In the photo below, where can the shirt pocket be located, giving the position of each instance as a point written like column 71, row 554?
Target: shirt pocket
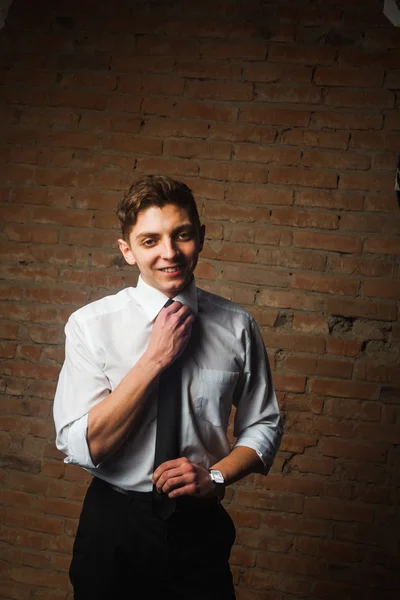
column 214, row 396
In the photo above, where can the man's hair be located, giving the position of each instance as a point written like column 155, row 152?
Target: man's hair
column 154, row 190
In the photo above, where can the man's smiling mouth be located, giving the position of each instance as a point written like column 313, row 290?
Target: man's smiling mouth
column 172, row 269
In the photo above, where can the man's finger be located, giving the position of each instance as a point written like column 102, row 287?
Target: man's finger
column 167, row 465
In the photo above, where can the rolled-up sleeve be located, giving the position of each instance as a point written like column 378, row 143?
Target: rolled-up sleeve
column 81, row 384
column 257, row 424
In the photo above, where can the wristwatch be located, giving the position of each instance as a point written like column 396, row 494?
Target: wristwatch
column 219, row 482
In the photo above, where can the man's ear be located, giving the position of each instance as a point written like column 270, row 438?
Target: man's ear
column 202, row 235
column 126, row 252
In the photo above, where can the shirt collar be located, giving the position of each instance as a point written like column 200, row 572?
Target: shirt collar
column 152, row 300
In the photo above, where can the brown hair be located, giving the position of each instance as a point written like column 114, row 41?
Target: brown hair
column 154, row 190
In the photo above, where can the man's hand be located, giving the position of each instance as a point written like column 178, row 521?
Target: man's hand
column 180, row 477
column 170, row 334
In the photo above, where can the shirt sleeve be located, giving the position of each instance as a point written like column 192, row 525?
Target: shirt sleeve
column 81, row 384
column 257, row 424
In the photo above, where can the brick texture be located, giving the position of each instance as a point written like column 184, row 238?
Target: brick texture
column 283, row 117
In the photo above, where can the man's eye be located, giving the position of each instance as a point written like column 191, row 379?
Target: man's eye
column 148, row 243
column 185, row 235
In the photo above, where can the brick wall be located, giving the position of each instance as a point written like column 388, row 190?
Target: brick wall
column 283, row 118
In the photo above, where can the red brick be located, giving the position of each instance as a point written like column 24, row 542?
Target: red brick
column 206, row 110
column 258, row 194
column 147, row 64
column 262, row 579
column 39, row 577
column 310, row 138
column 41, row 196
column 335, row 160
column 297, row 444
column 225, row 50
column 245, row 518
column 266, row 155
column 237, row 212
column 330, row 285
column 344, row 389
column 371, row 98
column 350, row 449
column 163, row 127
column 197, row 149
column 330, row 550
column 9, row 331
column 291, row 258
column 310, row 324
column 127, row 103
column 275, row 116
column 346, row 120
column 297, row 301
column 236, row 132
column 91, row 278
column 291, row 564
column 29, row 233
column 242, row 557
column 368, row 267
column 303, row 177
column 269, row 501
column 381, row 289
column 164, row 46
column 301, row 218
column 207, row 69
column 172, row 166
column 385, row 311
column 329, row 367
column 377, row 433
column 271, row 73
column 312, row 464
column 89, row 100
column 258, row 235
column 300, row 364
column 205, row 189
column 263, row 540
column 337, row 511
column 289, row 383
column 300, row 343
column 219, row 90
column 155, row 84
column 383, row 203
column 349, row 77
column 56, row 296
column 303, row 55
column 233, row 172
column 327, row 241
column 279, row 93
column 205, row 271
column 29, row 272
column 373, row 140
column 382, row 245
column 370, row 371
column 255, row 275
column 338, row 200
column 376, row 181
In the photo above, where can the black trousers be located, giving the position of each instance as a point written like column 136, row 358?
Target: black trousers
column 122, row 551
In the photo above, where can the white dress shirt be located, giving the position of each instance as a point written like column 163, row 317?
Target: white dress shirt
column 225, row 364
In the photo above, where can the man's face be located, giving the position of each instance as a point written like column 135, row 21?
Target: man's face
column 165, row 245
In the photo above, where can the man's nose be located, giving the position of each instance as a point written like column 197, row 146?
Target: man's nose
column 169, row 249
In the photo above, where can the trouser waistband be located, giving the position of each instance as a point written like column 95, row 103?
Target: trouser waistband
column 184, row 503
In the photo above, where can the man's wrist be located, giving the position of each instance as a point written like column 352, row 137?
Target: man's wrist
column 218, row 482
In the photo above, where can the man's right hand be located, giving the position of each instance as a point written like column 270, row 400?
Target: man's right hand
column 170, row 335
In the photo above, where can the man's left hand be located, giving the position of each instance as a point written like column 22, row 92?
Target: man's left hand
column 180, row 477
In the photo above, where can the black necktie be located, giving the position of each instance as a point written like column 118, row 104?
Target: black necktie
column 168, row 429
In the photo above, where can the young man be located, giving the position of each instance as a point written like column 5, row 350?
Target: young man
column 127, row 357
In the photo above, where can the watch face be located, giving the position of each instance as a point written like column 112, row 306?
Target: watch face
column 217, row 476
